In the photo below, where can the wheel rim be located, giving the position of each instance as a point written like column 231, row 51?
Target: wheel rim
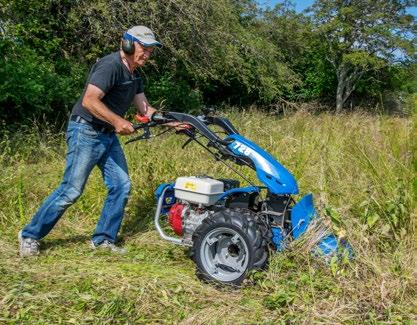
column 224, row 254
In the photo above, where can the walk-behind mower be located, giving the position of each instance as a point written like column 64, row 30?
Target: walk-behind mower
column 231, row 229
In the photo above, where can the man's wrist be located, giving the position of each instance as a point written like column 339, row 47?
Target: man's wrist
column 153, row 114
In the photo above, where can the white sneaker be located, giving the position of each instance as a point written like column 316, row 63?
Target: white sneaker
column 28, row 246
column 109, row 246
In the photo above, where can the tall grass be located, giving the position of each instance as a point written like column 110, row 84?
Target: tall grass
column 358, row 166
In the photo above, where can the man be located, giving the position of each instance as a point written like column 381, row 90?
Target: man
column 112, row 85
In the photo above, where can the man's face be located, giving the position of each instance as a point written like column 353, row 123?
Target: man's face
column 142, row 54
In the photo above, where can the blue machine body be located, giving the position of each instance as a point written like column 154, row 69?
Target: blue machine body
column 327, row 246
column 169, row 197
column 301, row 215
column 246, row 189
column 278, row 238
column 279, row 181
column 270, row 172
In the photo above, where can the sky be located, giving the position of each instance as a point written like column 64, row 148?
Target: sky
column 300, row 5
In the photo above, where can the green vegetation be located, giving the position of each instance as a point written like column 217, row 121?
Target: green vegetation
column 361, row 36
column 343, row 54
column 359, row 167
column 356, row 56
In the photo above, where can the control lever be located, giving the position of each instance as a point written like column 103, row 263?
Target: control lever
column 186, row 143
column 146, row 132
column 191, row 137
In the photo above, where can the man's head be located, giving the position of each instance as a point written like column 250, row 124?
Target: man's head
column 138, row 42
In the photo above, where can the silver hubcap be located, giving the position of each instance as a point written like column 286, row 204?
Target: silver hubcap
column 224, row 254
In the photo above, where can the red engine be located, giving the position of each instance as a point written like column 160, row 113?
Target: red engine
column 175, row 218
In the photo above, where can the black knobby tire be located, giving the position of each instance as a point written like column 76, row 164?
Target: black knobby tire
column 238, row 229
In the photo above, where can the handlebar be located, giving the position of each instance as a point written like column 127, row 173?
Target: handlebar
column 199, row 123
column 142, row 126
column 154, row 120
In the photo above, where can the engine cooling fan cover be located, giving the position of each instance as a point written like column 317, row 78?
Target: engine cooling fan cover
column 175, row 218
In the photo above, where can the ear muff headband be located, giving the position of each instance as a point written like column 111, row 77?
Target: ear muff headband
column 128, row 43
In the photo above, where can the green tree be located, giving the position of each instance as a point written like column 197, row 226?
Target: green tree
column 211, row 49
column 361, row 36
column 211, row 45
column 301, row 49
column 37, row 76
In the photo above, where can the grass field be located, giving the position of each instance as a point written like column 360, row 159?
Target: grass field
column 359, row 167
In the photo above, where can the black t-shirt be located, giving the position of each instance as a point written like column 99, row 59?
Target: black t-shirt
column 114, row 79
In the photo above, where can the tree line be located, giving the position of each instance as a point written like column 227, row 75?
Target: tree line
column 339, row 53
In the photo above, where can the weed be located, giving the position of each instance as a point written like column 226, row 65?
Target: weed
column 358, row 166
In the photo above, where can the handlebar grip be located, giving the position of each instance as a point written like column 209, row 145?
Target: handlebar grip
column 158, row 118
column 143, row 125
column 138, row 126
column 142, row 118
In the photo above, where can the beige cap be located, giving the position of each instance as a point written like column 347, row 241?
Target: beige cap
column 143, row 35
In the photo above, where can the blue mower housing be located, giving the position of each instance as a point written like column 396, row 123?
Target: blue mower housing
column 286, row 219
column 270, row 172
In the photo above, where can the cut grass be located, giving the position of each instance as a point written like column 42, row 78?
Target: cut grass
column 358, row 165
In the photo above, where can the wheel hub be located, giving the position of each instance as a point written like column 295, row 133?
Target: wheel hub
column 224, row 254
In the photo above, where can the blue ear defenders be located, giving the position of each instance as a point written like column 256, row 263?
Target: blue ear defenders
column 128, row 45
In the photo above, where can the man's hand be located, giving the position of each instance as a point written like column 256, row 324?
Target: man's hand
column 123, row 127
column 179, row 126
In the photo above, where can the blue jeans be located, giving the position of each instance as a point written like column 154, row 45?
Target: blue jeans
column 86, row 149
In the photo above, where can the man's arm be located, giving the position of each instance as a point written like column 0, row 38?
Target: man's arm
column 144, row 108
column 142, row 105
column 92, row 102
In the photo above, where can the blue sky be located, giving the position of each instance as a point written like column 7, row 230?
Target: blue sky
column 300, row 5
